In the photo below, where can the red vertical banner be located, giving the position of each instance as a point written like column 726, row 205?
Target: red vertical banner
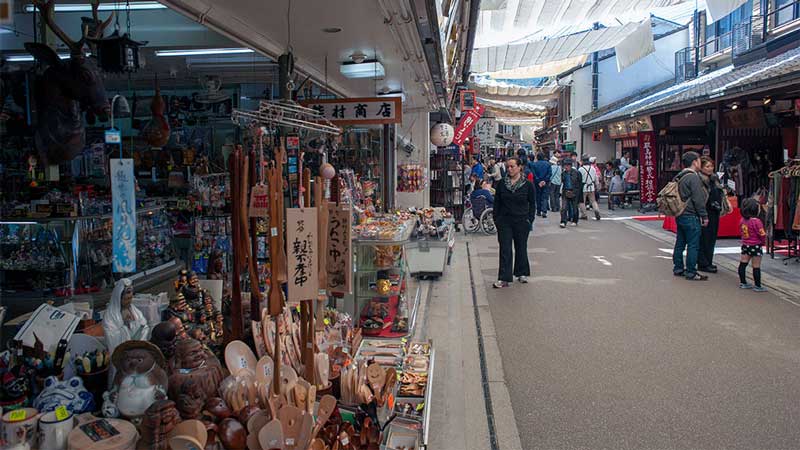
column 648, row 175
column 467, row 123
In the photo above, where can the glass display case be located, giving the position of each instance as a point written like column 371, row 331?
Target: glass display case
column 361, row 150
column 385, row 297
column 57, row 254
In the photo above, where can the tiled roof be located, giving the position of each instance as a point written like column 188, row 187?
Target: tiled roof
column 705, row 88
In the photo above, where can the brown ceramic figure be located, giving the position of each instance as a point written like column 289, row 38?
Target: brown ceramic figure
column 139, row 382
column 178, row 308
column 164, row 336
column 158, row 421
column 193, row 363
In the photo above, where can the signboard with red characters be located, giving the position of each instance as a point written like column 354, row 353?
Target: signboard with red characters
column 467, row 123
column 648, row 175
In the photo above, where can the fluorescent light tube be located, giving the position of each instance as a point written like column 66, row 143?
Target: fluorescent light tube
column 140, row 6
column 202, row 51
column 29, row 58
column 366, row 69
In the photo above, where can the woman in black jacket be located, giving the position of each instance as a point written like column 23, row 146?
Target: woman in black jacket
column 708, row 234
column 514, row 213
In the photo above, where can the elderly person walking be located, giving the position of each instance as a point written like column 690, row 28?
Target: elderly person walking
column 514, row 212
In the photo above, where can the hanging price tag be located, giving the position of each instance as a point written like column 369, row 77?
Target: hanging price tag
column 61, row 413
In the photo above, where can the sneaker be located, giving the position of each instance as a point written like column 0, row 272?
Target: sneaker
column 745, row 286
column 574, row 224
column 522, row 279
column 563, row 224
column 500, row 284
column 584, row 218
column 759, row 289
column 697, row 277
column 597, row 215
column 708, row 269
column 544, row 215
column 678, row 274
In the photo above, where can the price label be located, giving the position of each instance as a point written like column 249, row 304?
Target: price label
column 289, row 442
column 61, row 413
column 274, row 231
column 420, row 406
column 18, row 415
column 113, row 136
column 327, row 321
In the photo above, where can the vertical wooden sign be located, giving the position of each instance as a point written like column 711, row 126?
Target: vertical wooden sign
column 339, row 251
column 301, row 249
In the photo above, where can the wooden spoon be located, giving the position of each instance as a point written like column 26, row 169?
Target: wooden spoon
column 377, row 377
column 291, row 420
column 327, row 404
column 271, row 436
column 306, row 428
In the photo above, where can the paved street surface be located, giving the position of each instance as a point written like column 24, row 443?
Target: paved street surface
column 606, row 349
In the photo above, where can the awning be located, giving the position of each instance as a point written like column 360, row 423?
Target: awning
column 536, row 53
column 720, row 84
column 494, row 87
column 513, row 109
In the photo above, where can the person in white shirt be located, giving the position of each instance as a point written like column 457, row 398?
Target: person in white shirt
column 590, row 183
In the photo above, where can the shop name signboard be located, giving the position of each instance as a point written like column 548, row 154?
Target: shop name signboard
column 647, row 172
column 301, row 249
column 123, row 202
column 339, row 262
column 467, row 123
column 630, row 127
column 359, row 111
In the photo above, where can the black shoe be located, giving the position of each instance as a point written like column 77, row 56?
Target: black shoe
column 544, row 215
column 709, row 269
column 678, row 274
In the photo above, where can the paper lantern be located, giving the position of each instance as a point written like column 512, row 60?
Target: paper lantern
column 327, row 171
column 442, row 134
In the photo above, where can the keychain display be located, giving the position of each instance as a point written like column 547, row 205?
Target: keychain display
column 411, row 177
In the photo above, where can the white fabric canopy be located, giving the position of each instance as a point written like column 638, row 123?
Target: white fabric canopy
column 636, row 46
column 503, row 16
column 540, row 70
column 717, row 9
column 527, row 54
column 494, row 87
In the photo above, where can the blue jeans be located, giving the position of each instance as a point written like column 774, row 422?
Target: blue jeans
column 689, row 238
column 542, row 198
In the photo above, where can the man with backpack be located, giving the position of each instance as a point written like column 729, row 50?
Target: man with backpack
column 685, row 198
column 590, row 182
column 571, row 191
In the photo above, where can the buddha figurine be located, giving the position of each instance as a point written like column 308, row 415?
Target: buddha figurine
column 196, row 364
column 193, row 293
column 178, row 308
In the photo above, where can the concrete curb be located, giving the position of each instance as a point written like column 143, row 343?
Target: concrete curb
column 784, row 290
column 506, row 430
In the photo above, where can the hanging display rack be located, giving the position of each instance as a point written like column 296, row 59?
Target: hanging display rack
column 286, row 113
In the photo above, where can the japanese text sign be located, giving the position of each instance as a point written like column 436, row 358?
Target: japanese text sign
column 123, row 202
column 486, row 129
column 648, row 176
column 339, row 263
column 467, row 123
column 301, row 249
column 359, row 111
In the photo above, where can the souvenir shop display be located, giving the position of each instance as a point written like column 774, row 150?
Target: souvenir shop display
column 383, row 302
column 783, row 214
column 432, row 242
column 447, row 180
column 411, row 177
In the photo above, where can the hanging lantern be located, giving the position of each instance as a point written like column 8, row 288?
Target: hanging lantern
column 117, row 53
column 442, row 134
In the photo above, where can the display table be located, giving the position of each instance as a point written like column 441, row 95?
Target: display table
column 728, row 224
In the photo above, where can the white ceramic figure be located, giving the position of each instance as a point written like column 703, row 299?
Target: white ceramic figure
column 123, row 321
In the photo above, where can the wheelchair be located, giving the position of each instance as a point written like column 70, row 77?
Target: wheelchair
column 478, row 217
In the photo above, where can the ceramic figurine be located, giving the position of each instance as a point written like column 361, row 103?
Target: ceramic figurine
column 183, row 280
column 158, row 421
column 195, row 365
column 123, row 321
column 70, row 394
column 140, row 380
column 164, row 336
column 180, row 329
column 178, row 308
column 193, row 293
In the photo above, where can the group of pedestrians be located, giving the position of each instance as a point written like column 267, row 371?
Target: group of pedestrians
column 705, row 202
